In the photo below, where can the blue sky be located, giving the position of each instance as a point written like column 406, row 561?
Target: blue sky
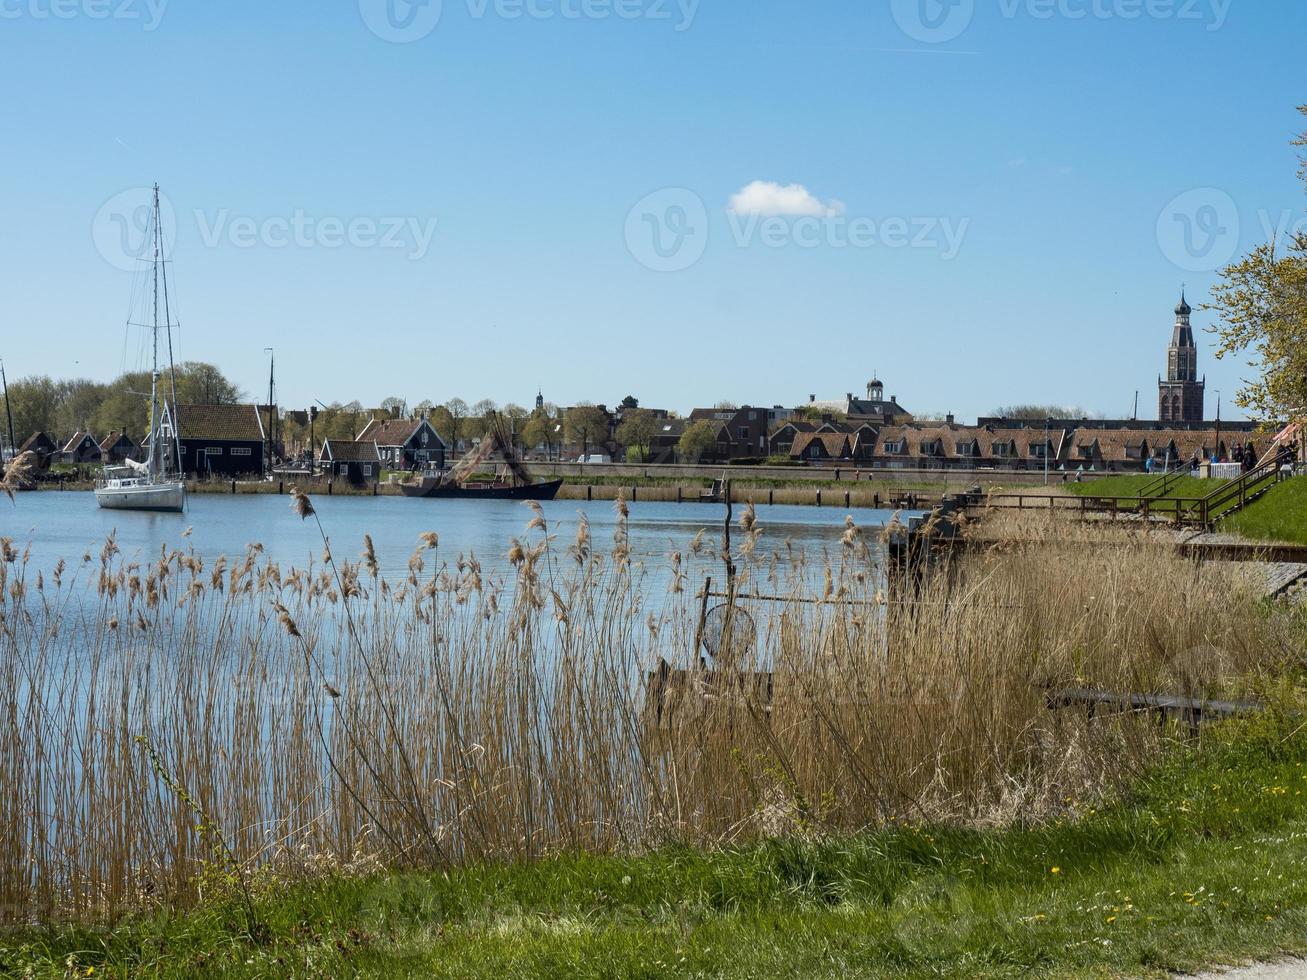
column 983, row 202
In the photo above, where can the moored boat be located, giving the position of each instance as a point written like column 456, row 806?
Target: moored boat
column 155, row 485
column 514, row 483
column 434, row 486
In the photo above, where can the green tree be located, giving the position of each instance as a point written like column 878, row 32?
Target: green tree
column 541, row 430
column 454, row 419
column 637, row 432
column 394, row 405
column 35, row 404
column 480, row 416
column 200, row 383
column 1039, row 413
column 813, row 413
column 586, row 424
column 517, row 417
column 79, row 402
column 697, row 440
column 1262, row 304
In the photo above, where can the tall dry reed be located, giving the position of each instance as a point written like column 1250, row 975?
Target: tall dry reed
column 326, row 718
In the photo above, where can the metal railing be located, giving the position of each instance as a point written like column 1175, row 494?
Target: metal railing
column 1206, row 511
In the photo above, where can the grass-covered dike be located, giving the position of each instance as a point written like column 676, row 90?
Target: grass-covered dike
column 1200, row 861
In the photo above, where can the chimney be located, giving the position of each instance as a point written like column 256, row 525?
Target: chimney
column 949, row 418
column 848, row 396
column 812, row 399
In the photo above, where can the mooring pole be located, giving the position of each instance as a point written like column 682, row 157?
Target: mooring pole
column 703, row 619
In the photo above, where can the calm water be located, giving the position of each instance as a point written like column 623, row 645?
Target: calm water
column 68, row 525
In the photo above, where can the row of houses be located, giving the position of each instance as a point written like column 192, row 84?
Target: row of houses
column 81, row 449
column 1097, row 446
column 232, row 440
column 213, row 440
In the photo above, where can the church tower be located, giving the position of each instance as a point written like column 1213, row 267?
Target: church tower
column 1180, row 395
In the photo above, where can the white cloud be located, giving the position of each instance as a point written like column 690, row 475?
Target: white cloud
column 768, row 198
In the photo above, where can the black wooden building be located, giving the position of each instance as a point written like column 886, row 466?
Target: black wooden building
column 354, row 462
column 220, row 440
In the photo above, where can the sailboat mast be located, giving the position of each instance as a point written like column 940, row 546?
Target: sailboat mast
column 9, row 414
column 154, row 368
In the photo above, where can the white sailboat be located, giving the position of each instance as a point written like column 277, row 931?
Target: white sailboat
column 156, row 484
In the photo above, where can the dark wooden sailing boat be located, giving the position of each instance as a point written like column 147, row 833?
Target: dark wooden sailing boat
column 514, row 484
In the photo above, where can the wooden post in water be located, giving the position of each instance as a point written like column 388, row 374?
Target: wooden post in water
column 726, row 547
column 703, row 618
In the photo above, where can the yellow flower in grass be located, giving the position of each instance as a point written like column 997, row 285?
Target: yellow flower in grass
column 1055, row 870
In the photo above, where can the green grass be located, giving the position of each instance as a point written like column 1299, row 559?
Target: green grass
column 1202, row 861
column 1185, row 487
column 1281, row 515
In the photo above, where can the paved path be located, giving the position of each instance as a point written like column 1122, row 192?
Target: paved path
column 1290, row 970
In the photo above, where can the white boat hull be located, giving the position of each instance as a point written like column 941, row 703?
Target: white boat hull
column 162, row 497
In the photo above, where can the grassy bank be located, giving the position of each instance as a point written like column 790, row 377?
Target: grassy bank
column 1281, row 515
column 1198, row 861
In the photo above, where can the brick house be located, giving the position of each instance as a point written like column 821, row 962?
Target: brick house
column 742, row 433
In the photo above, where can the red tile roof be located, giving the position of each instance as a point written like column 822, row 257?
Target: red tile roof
column 388, row 432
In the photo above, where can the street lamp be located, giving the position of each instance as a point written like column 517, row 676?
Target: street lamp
column 1047, row 423
column 1216, row 449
